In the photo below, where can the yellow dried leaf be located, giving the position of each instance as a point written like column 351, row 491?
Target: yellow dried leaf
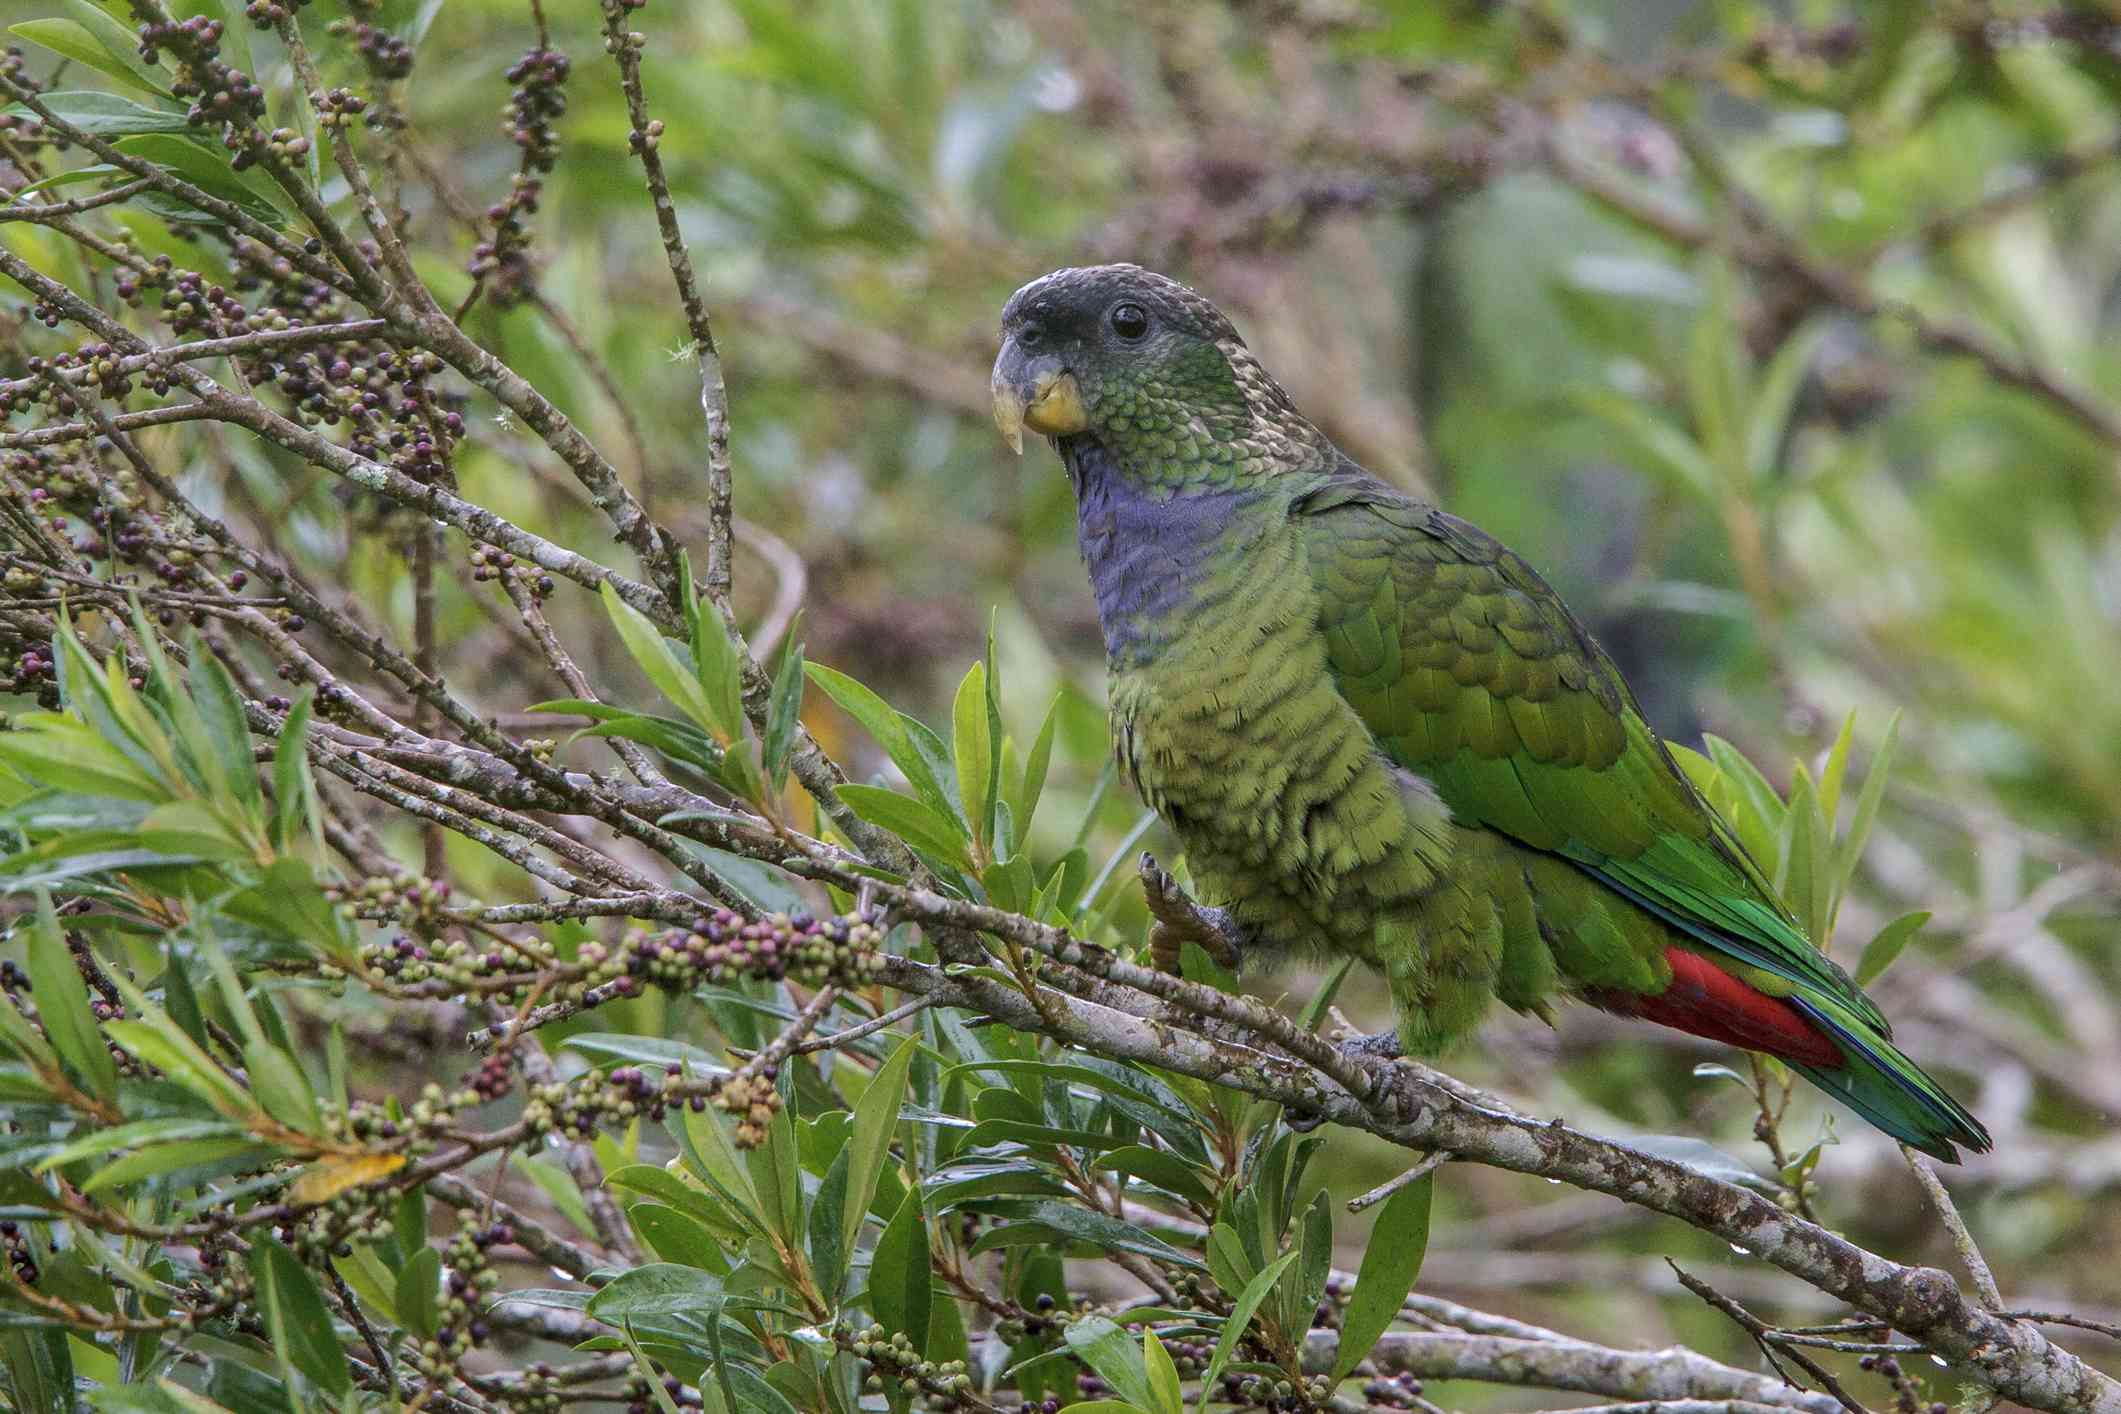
column 326, row 1179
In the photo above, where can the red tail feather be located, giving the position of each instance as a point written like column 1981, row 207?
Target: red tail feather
column 1704, row 1000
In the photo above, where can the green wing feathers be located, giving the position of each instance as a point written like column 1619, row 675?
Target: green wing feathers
column 1470, row 672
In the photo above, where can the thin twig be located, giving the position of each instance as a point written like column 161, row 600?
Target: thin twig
column 1390, row 1186
column 1762, row 1334
column 1962, row 1241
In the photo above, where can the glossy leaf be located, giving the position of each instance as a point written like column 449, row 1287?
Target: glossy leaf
column 1391, row 1263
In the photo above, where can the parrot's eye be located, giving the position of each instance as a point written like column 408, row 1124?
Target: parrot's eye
column 1030, row 337
column 1130, row 320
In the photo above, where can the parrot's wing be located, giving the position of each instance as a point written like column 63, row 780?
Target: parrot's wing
column 1471, row 671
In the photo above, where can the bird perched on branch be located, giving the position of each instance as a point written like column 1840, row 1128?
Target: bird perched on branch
column 1378, row 732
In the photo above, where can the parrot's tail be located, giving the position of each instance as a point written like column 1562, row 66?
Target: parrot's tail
column 1817, row 1037
column 1876, row 1081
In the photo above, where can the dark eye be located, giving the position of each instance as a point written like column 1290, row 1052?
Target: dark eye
column 1129, row 321
column 1030, row 337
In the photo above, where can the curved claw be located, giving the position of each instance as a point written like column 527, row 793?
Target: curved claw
column 1179, row 920
column 1384, row 1046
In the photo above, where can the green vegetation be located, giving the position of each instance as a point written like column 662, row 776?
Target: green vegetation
column 558, row 836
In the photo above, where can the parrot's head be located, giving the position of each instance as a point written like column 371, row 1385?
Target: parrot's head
column 1139, row 364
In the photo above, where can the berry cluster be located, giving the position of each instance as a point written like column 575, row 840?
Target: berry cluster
column 1278, row 1396
column 718, row 949
column 21, row 1257
column 1014, row 1330
column 264, row 14
column 536, row 1392
column 416, row 902
column 14, row 68
column 495, row 1075
column 1907, row 1394
column 223, row 1283
column 220, row 93
column 465, row 1291
column 640, row 1399
column 576, row 1109
column 330, row 1229
column 339, row 107
column 615, row 13
column 33, row 670
column 844, row 949
column 1393, row 1392
column 754, row 1100
column 893, row 1360
column 536, row 104
column 488, row 563
column 388, row 57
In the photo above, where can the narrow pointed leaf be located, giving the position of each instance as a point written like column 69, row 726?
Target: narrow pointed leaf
column 1390, row 1265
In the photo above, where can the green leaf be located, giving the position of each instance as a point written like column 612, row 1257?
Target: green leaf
column 869, row 1137
column 928, row 830
column 58, row 752
column 281, row 1087
column 1162, row 1168
column 888, row 727
column 104, row 47
column 1835, row 770
column 295, row 1314
column 1390, row 1265
column 1867, row 802
column 106, row 114
column 138, row 1134
column 1023, row 801
column 162, row 1044
column 1228, row 1261
column 220, row 708
column 784, row 711
column 714, row 1160
column 645, row 645
column 1657, row 444
column 1779, row 385
column 294, row 790
column 1241, row 1312
column 973, row 749
column 560, row 1189
column 1302, row 1298
column 658, row 1289
column 900, row 1274
column 1879, row 952
column 62, row 1004
column 676, row 1237
column 418, row 1297
column 1115, row 1359
column 719, row 667
column 647, row 1373
column 208, row 170
column 828, row 1225
column 734, row 1221
column 187, row 1155
column 606, row 1048
column 1046, row 1222
column 40, row 1371
column 1163, row 1376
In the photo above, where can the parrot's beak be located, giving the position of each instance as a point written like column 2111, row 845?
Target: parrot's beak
column 1036, row 393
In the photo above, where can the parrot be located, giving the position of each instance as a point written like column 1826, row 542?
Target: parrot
column 1375, row 731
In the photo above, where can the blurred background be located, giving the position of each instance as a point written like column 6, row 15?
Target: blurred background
column 1779, row 337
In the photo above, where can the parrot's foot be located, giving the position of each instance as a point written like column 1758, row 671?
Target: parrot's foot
column 1179, row 920
column 1383, row 1046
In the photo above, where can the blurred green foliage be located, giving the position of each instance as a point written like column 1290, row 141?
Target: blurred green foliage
column 1781, row 338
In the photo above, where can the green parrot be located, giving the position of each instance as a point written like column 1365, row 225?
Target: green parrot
column 1376, row 731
